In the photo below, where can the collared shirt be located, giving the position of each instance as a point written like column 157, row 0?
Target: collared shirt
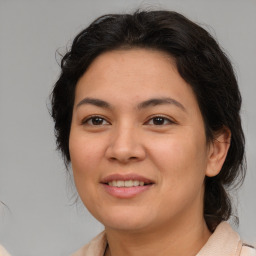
column 223, row 242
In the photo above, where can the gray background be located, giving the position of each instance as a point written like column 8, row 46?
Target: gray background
column 41, row 218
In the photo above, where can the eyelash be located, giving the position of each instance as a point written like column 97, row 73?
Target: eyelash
column 161, row 117
column 90, row 119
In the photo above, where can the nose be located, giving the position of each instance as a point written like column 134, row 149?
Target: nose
column 125, row 146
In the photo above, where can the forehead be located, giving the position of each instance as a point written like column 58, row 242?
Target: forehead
column 133, row 59
column 133, row 74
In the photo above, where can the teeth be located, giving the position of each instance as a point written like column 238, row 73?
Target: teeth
column 136, row 183
column 119, row 183
column 127, row 183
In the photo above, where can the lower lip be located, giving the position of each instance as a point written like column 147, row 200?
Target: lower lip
column 125, row 192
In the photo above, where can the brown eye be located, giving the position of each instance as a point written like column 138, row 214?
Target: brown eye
column 159, row 120
column 95, row 121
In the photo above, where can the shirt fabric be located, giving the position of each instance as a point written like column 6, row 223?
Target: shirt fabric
column 223, row 242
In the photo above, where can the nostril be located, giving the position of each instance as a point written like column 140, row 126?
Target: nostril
column 123, row 158
column 125, row 153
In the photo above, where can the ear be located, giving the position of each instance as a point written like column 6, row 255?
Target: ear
column 218, row 151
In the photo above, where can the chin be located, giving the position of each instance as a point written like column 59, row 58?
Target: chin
column 126, row 219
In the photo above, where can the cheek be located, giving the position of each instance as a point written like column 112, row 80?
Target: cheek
column 182, row 173
column 86, row 154
column 181, row 159
column 180, row 150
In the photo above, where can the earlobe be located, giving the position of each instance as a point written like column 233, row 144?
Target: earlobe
column 217, row 152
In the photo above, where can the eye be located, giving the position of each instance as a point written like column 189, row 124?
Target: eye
column 95, row 121
column 159, row 120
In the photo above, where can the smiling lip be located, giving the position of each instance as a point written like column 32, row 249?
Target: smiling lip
column 125, row 177
column 126, row 192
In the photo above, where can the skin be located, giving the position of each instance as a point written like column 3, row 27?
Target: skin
column 174, row 154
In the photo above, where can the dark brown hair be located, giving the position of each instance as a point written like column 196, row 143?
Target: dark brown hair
column 200, row 62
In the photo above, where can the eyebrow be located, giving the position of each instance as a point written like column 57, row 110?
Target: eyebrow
column 161, row 101
column 95, row 102
column 144, row 104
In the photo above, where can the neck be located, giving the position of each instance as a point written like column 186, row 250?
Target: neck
column 180, row 238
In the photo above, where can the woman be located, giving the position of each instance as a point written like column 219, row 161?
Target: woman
column 146, row 110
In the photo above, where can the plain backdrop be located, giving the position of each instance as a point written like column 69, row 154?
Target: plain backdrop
column 40, row 217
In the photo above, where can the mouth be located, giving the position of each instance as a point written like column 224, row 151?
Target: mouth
column 126, row 186
column 127, row 183
column 126, row 180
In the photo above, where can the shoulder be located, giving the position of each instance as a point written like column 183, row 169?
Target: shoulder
column 95, row 247
column 248, row 250
column 225, row 241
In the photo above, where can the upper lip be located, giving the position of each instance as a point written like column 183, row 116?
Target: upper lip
column 126, row 177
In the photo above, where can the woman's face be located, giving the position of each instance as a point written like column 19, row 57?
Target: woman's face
column 135, row 121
